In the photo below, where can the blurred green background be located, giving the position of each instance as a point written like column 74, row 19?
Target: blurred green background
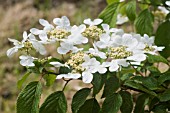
column 17, row 16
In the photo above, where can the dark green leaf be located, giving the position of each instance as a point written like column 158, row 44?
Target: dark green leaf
column 90, row 106
column 112, row 103
column 131, row 10
column 153, row 69
column 98, row 81
column 156, row 58
column 160, row 108
column 79, row 98
column 49, row 78
column 29, row 98
column 64, row 70
column 111, row 86
column 138, row 86
column 164, row 77
column 109, row 14
column 127, row 104
column 140, row 103
column 55, row 103
column 162, row 38
column 22, row 80
column 165, row 96
column 144, row 25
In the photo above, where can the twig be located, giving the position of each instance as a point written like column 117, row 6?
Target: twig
column 136, row 69
column 66, row 84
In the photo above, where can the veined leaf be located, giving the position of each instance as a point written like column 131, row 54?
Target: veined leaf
column 29, row 98
column 109, row 14
column 90, row 106
column 79, row 99
column 55, row 103
column 127, row 104
column 156, row 58
column 131, row 10
column 50, row 79
column 144, row 22
column 22, row 80
column 164, row 77
column 112, row 103
column 165, row 96
column 162, row 38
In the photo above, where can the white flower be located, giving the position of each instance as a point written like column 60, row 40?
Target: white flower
column 167, row 3
column 69, row 76
column 96, row 52
column 114, row 65
column 17, row 45
column 27, row 61
column 58, row 64
column 147, row 40
column 36, row 44
column 76, row 37
column 67, row 47
column 94, row 22
column 105, row 41
column 62, row 23
column 109, row 30
column 163, row 10
column 121, row 19
column 102, row 68
column 87, row 77
column 45, row 23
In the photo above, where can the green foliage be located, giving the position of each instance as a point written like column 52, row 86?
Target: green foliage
column 127, row 103
column 164, row 77
column 90, row 106
column 79, row 99
column 131, row 10
column 141, row 102
column 162, row 38
column 29, row 98
column 55, row 103
column 111, row 1
column 112, row 103
column 165, row 96
column 112, row 85
column 156, row 58
column 144, row 22
column 109, row 14
column 50, row 79
column 23, row 79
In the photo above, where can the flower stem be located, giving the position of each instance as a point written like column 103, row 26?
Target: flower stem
column 66, row 84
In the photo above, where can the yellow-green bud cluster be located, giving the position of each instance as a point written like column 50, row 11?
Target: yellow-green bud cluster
column 58, row 33
column 75, row 62
column 148, row 48
column 27, row 46
column 118, row 52
column 92, row 32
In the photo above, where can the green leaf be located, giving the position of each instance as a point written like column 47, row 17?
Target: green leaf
column 98, row 81
column 156, row 58
column 164, row 77
column 90, row 106
column 29, row 98
column 50, row 79
column 112, row 103
column 138, row 86
column 161, row 108
column 64, row 70
column 109, row 14
column 141, row 103
column 111, row 86
column 153, row 69
column 131, row 10
column 79, row 99
column 111, row 1
column 55, row 103
column 165, row 96
column 162, row 38
column 22, row 80
column 144, row 22
column 127, row 104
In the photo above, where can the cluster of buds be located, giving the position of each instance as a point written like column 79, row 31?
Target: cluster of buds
column 58, row 33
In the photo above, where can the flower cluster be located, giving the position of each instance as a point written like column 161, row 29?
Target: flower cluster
column 107, row 49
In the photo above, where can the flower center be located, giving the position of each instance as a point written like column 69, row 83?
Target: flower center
column 92, row 32
column 75, row 62
column 148, row 48
column 118, row 52
column 58, row 33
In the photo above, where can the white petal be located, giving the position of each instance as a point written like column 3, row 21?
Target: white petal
column 73, row 75
column 60, row 76
column 56, row 64
column 137, row 57
column 122, row 62
column 102, row 70
column 62, row 50
column 106, row 27
column 35, row 31
column 25, row 36
column 87, row 77
column 11, row 51
column 97, row 21
column 88, row 21
column 44, row 22
column 167, row 3
column 39, row 47
column 113, row 67
column 26, row 61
